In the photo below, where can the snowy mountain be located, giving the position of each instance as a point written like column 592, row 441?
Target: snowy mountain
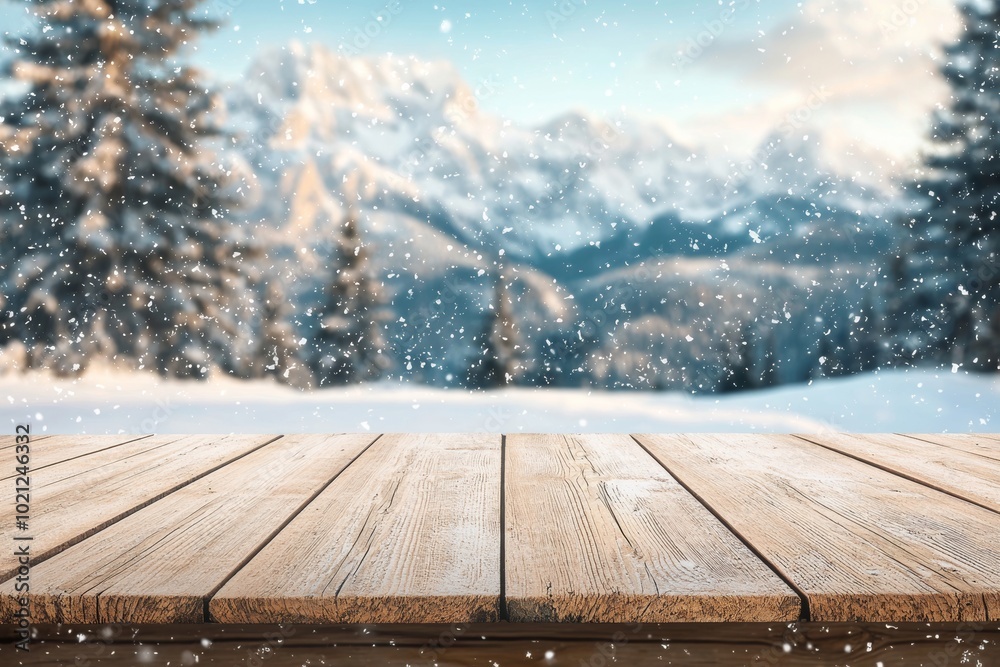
column 416, row 144
column 588, row 216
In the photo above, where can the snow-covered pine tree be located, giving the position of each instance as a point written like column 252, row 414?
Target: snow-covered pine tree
column 499, row 363
column 113, row 239
column 951, row 289
column 280, row 353
column 562, row 357
column 348, row 346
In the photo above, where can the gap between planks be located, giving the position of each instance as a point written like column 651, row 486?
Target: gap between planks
column 863, row 544
column 503, row 611
column 804, row 615
column 503, row 473
column 107, row 506
column 78, row 447
column 162, row 564
column 987, row 446
column 285, row 523
column 921, row 461
column 597, row 531
column 409, row 533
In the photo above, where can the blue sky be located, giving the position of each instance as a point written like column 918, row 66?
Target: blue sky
column 764, row 60
column 542, row 57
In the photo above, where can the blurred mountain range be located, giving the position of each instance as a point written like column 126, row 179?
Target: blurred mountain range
column 587, row 216
column 412, row 136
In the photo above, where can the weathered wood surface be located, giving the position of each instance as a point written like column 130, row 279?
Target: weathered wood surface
column 861, row 543
column 955, row 471
column 597, row 531
column 457, row 528
column 11, row 440
column 75, row 499
column 60, row 448
column 161, row 564
column 512, row 645
column 410, row 532
column 987, row 446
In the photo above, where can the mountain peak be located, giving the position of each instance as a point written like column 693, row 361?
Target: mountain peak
column 298, row 70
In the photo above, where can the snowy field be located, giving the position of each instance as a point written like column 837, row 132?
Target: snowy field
column 106, row 402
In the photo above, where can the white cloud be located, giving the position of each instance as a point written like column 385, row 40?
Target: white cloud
column 876, row 60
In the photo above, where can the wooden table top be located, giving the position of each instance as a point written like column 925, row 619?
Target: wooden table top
column 477, row 528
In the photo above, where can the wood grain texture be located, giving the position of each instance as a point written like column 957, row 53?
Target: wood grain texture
column 954, row 471
column 410, row 532
column 75, row 499
column 161, row 564
column 11, row 440
column 60, row 448
column 863, row 544
column 987, row 446
column 598, row 532
column 511, row 645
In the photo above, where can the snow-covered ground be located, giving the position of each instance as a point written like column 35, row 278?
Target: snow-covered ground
column 108, row 402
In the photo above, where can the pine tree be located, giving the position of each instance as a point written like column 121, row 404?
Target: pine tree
column 280, row 351
column 500, row 361
column 112, row 233
column 951, row 287
column 562, row 358
column 863, row 338
column 348, row 345
column 735, row 352
column 833, row 352
column 770, row 361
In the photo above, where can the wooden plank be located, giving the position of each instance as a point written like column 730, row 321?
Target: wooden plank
column 861, row 543
column 987, row 446
column 61, row 448
column 74, row 500
column 511, row 644
column 954, row 471
column 11, row 440
column 598, row 532
column 410, row 532
column 162, row 563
